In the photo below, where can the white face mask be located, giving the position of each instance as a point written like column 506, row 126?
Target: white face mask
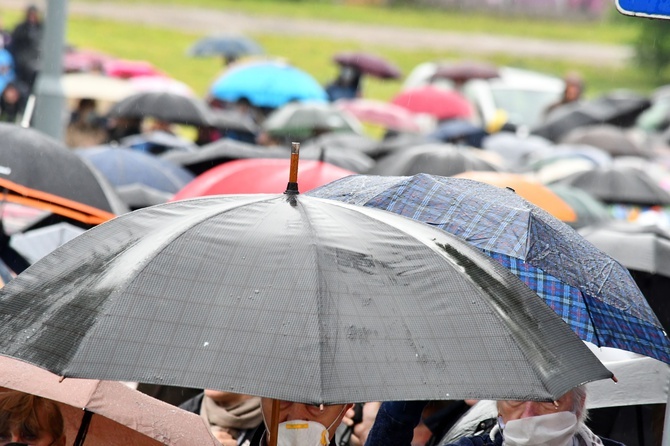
column 556, row 429
column 302, row 433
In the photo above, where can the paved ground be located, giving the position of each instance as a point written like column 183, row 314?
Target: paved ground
column 211, row 21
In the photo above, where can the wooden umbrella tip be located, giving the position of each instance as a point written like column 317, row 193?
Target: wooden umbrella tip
column 292, row 186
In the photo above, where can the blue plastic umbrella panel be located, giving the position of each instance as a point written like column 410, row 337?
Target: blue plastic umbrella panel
column 591, row 291
column 267, row 84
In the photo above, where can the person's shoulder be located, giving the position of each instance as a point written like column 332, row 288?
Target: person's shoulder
column 608, row 442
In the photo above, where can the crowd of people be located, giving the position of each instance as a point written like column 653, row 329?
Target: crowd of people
column 246, row 420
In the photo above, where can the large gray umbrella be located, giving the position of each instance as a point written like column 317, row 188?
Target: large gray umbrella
column 289, row 297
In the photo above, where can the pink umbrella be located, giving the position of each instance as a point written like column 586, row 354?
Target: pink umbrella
column 121, row 416
column 160, row 84
column 385, row 114
column 84, row 60
column 130, row 68
column 439, row 102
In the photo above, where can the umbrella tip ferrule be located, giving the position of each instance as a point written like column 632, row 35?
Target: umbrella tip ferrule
column 292, row 186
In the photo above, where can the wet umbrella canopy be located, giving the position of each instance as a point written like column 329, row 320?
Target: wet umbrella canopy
column 593, row 293
column 301, row 299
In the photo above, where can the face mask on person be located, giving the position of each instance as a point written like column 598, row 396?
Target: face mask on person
column 304, row 433
column 556, row 429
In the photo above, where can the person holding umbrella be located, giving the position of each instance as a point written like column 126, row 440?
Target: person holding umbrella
column 555, row 423
column 30, row 420
column 300, row 424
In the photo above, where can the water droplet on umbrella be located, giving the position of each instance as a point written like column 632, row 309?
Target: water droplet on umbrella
column 256, row 291
column 205, row 344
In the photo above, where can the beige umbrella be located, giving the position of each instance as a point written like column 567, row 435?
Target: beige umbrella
column 120, row 415
column 105, row 90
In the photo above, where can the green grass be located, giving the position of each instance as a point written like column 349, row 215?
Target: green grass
column 166, row 49
column 603, row 31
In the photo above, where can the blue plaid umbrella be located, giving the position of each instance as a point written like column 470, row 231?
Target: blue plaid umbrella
column 591, row 291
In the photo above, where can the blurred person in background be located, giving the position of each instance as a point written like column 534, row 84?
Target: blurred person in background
column 574, row 89
column 11, row 104
column 25, row 45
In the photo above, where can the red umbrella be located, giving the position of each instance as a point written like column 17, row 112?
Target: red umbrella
column 259, row 176
column 439, row 102
column 385, row 114
column 462, row 71
column 369, row 64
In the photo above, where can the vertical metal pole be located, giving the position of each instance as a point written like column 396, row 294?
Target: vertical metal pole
column 50, row 99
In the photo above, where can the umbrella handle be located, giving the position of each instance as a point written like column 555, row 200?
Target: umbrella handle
column 274, row 423
column 83, row 428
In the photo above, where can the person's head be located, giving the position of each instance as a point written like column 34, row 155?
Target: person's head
column 535, row 422
column 226, row 399
column 327, row 416
column 574, row 86
column 30, row 419
column 11, row 94
column 32, row 14
column 574, row 401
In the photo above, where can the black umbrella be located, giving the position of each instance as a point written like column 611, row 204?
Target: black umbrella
column 224, row 150
column 435, row 159
column 39, row 171
column 619, row 184
column 619, row 108
column 289, row 297
column 165, row 106
column 607, row 137
column 233, row 120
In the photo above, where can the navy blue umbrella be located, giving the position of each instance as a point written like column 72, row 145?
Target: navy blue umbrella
column 460, row 131
column 591, row 291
